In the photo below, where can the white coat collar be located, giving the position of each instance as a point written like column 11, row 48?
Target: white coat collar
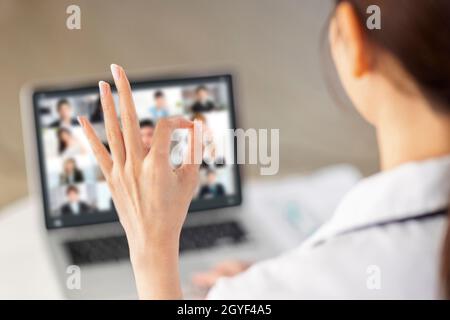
column 410, row 189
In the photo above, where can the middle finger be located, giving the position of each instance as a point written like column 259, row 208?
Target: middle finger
column 130, row 125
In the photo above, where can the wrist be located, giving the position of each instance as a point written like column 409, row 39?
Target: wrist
column 153, row 249
column 156, row 271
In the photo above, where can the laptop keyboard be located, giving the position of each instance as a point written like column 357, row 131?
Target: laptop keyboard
column 115, row 248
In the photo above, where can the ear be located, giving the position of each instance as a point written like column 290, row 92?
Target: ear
column 351, row 32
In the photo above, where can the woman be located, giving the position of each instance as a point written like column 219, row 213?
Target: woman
column 385, row 239
column 68, row 144
column 71, row 173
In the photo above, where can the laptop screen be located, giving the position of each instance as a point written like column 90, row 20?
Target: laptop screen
column 74, row 190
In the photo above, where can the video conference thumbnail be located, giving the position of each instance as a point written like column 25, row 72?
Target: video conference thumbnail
column 74, row 182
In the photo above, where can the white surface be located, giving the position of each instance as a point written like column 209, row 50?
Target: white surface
column 296, row 205
column 292, row 208
column 25, row 266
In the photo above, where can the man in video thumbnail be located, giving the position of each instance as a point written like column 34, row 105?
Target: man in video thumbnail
column 212, row 189
column 74, row 206
column 65, row 115
column 202, row 102
column 147, row 127
column 159, row 110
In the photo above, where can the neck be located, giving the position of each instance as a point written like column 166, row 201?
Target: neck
column 411, row 131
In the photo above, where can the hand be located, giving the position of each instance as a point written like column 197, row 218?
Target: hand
column 228, row 268
column 150, row 196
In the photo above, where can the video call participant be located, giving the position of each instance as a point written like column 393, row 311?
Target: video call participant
column 209, row 158
column 147, row 127
column 202, row 102
column 65, row 115
column 160, row 109
column 71, row 173
column 74, row 205
column 212, row 189
column 68, row 144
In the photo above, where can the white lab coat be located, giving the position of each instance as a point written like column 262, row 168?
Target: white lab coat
column 395, row 255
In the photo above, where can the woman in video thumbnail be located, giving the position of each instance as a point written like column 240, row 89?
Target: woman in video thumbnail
column 68, row 144
column 393, row 224
column 71, row 173
column 209, row 157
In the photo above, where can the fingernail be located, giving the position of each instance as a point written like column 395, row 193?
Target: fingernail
column 80, row 120
column 115, row 70
column 103, row 87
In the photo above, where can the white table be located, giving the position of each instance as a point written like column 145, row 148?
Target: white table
column 25, row 265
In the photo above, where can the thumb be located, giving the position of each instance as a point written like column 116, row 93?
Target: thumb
column 194, row 155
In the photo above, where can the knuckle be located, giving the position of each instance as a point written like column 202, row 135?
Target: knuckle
column 116, row 174
column 131, row 171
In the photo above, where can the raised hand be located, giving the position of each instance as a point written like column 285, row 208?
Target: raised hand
column 151, row 197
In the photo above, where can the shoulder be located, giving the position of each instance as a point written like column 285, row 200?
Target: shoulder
column 404, row 258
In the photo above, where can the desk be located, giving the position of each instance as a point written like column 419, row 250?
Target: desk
column 26, row 269
column 296, row 205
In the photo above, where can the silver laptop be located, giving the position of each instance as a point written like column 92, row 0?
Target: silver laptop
column 81, row 224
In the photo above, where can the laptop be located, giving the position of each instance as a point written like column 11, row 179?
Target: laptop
column 79, row 218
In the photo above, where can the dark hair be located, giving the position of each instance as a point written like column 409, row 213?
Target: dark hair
column 72, row 188
column 61, row 102
column 417, row 34
column 201, row 88
column 146, row 123
column 62, row 145
column 158, row 94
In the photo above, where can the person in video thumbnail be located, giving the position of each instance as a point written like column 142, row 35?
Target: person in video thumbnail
column 68, row 144
column 202, row 101
column 74, row 206
column 71, row 173
column 160, row 109
column 65, row 115
column 209, row 156
column 147, row 127
column 212, row 189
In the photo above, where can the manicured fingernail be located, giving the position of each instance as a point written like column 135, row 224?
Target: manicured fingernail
column 115, row 70
column 103, row 87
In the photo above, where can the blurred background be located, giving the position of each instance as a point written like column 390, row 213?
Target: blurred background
column 274, row 46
